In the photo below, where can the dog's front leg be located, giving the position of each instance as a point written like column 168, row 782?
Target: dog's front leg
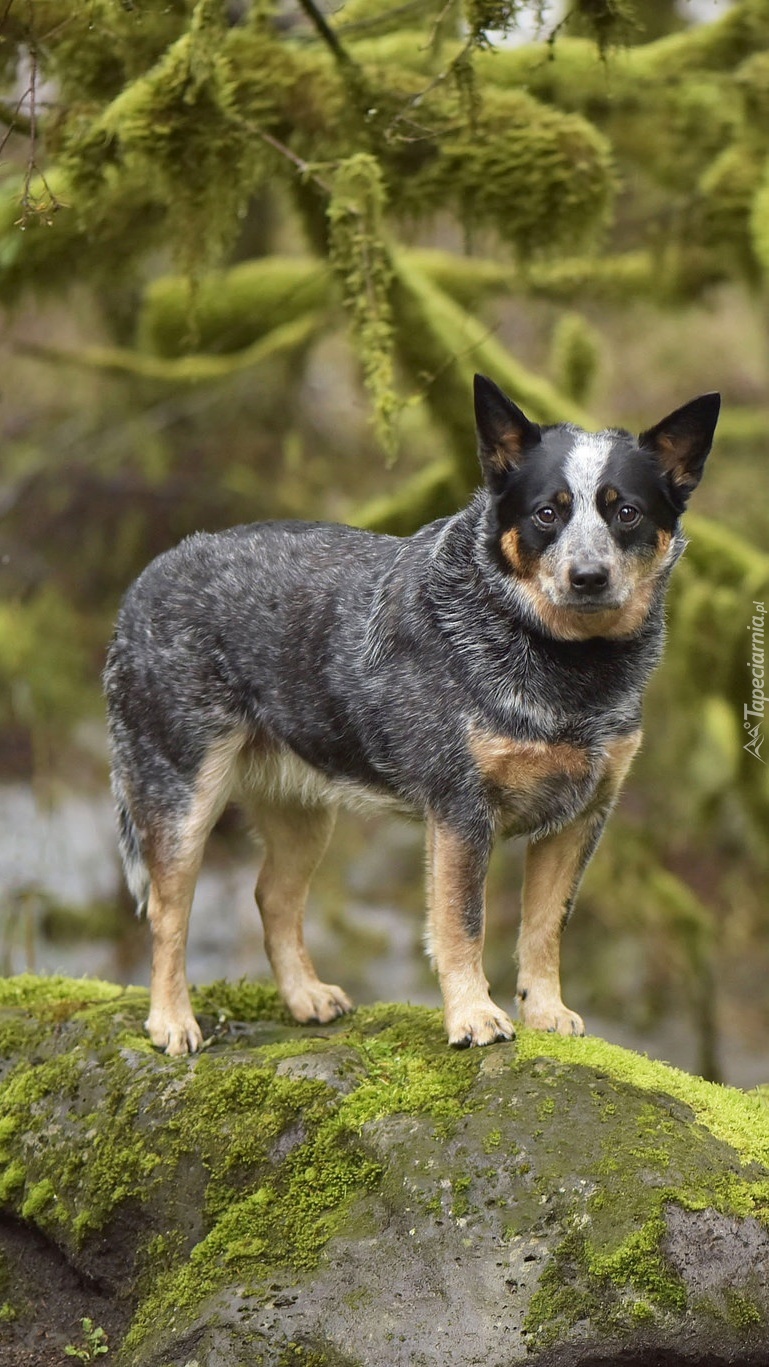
column 554, row 867
column 456, row 891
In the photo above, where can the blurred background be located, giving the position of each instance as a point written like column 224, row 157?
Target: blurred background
column 250, row 256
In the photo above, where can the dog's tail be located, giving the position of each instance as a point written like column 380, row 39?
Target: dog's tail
column 136, row 873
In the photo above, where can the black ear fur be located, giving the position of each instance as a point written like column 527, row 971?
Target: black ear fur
column 682, row 441
column 504, row 432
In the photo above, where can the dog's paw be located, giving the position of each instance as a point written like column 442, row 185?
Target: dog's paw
column 318, row 1002
column 174, row 1032
column 552, row 1016
column 484, row 1024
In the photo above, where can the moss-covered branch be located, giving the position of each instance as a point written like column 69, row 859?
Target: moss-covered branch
column 442, row 346
column 199, row 368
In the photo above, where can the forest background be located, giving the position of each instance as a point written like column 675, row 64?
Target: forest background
column 250, row 256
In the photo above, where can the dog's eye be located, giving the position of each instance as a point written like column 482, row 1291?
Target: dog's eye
column 546, row 515
column 628, row 515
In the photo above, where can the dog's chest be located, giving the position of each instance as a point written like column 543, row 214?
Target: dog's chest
column 534, row 784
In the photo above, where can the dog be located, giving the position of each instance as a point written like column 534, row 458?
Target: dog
column 486, row 673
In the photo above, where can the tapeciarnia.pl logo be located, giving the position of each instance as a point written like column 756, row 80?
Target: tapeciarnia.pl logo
column 755, row 709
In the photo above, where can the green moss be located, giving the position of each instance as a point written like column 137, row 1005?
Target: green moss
column 579, row 1284
column 275, row 1163
column 409, row 1067
column 738, row 1118
column 542, row 178
column 39, row 688
column 178, row 126
column 11, row 1179
column 30, row 992
column 742, row 1312
column 574, row 357
column 612, row 1262
column 265, row 1216
column 38, row 1198
column 361, row 262
column 727, row 194
column 231, row 309
column 242, row 1000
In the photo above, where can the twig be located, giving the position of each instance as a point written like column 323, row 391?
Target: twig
column 304, row 167
column 417, row 99
column 398, row 12
column 10, row 115
column 326, row 32
column 432, row 41
column 428, row 380
column 11, row 118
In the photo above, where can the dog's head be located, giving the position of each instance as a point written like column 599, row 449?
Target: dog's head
column 586, row 524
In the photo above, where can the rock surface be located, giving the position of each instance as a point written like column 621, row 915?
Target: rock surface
column 360, row 1195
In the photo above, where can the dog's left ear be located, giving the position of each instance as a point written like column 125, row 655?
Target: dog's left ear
column 504, row 432
column 682, row 441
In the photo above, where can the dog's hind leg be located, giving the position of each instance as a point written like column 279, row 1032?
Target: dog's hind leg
column 174, row 856
column 295, row 838
column 171, row 1022
column 456, row 885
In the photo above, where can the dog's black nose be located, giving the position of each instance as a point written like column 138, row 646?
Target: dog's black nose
column 588, row 578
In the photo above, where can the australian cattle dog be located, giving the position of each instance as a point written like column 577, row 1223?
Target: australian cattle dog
column 485, row 673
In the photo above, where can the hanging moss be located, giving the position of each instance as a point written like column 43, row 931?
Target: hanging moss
column 492, row 16
column 361, row 263
column 752, row 82
column 608, row 21
column 96, row 48
column 177, row 126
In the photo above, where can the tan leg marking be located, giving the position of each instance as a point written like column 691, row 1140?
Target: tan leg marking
column 554, row 867
column 296, row 839
column 173, row 874
column 456, row 880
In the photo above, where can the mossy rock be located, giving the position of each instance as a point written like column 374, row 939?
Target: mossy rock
column 362, row 1194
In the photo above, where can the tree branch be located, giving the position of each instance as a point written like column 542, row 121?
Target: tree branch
column 324, row 29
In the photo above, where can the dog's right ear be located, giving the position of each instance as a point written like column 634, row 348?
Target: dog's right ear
column 504, row 432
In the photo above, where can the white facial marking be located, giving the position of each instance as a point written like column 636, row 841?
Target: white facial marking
column 586, row 537
column 585, row 472
column 587, row 533
column 586, row 460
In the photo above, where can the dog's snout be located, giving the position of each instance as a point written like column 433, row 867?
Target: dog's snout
column 589, row 578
